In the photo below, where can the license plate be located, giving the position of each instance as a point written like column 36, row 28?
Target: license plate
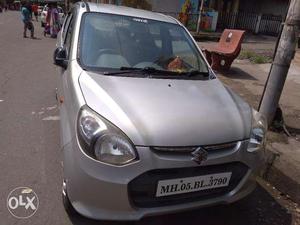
column 192, row 184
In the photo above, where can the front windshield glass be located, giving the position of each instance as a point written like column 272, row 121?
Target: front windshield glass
column 115, row 42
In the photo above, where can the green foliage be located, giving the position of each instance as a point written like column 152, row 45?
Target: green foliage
column 255, row 57
column 260, row 59
column 246, row 55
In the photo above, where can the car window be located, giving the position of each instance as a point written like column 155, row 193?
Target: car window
column 114, row 41
column 68, row 37
column 66, row 25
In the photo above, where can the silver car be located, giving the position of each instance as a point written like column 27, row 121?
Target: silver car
column 146, row 126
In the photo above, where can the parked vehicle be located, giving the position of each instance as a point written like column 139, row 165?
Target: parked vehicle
column 44, row 15
column 146, row 126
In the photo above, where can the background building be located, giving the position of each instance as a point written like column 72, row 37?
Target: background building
column 257, row 16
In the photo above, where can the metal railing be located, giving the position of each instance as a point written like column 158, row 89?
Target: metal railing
column 270, row 24
column 256, row 23
column 238, row 20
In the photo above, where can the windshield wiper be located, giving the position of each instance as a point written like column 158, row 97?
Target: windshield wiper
column 146, row 70
column 153, row 71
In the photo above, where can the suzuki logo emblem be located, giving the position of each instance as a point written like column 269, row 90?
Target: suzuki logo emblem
column 199, row 155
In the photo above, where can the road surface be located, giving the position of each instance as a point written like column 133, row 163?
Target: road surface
column 29, row 142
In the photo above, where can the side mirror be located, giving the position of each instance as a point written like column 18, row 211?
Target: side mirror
column 60, row 57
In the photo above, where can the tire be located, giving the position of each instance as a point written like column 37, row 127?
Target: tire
column 42, row 24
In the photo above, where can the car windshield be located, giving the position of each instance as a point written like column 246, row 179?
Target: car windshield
column 114, row 42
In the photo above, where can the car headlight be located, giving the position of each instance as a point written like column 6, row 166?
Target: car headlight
column 102, row 140
column 258, row 132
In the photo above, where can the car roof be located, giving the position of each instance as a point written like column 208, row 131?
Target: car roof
column 127, row 11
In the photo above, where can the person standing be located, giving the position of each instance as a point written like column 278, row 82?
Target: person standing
column 48, row 19
column 35, row 9
column 53, row 18
column 26, row 18
column 28, row 6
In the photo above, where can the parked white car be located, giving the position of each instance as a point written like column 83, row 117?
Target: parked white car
column 147, row 128
column 44, row 15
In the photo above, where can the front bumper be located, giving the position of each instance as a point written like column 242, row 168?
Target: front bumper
column 105, row 192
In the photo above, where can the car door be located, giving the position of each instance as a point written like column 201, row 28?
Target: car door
column 63, row 91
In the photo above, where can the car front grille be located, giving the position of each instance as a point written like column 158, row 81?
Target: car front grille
column 142, row 189
column 209, row 148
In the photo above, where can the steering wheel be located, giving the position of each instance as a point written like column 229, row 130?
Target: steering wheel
column 111, row 58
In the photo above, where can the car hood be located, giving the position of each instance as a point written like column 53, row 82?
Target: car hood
column 163, row 112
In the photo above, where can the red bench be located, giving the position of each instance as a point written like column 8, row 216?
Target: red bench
column 221, row 56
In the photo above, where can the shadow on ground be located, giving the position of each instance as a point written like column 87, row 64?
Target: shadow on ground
column 293, row 130
column 237, row 73
column 260, row 208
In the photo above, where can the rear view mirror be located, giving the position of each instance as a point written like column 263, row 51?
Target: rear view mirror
column 60, row 57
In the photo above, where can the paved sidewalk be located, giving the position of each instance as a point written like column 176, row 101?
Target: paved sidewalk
column 248, row 81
